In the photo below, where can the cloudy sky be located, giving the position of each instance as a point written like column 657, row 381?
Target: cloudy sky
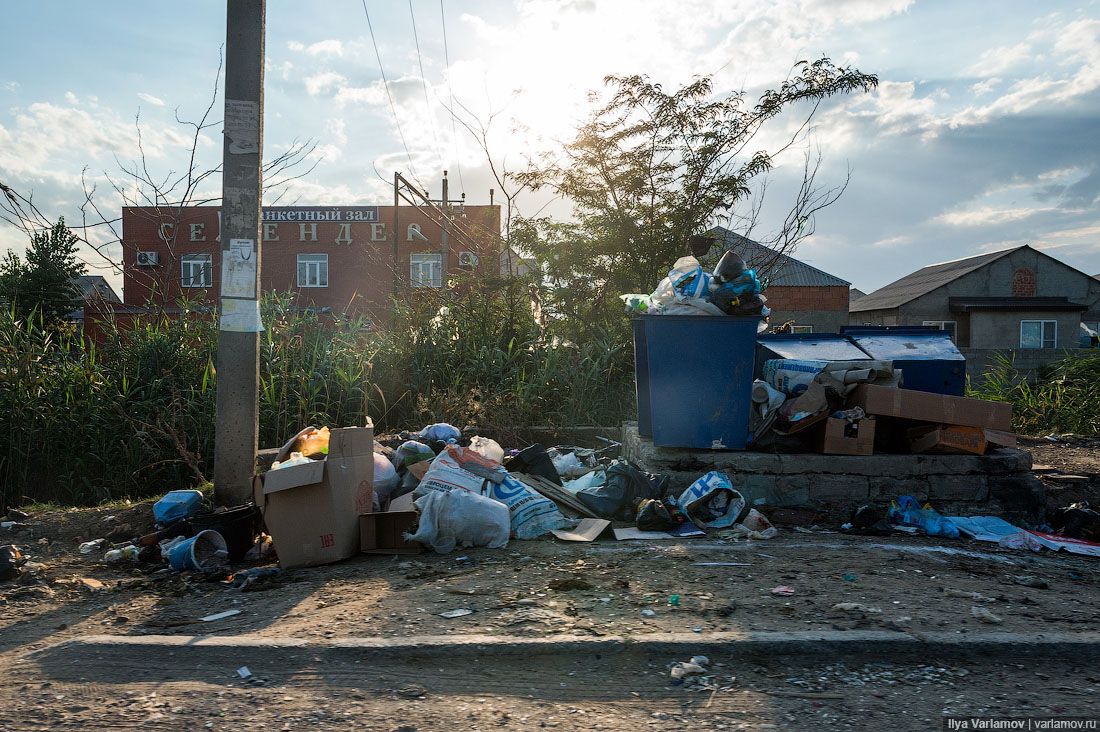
column 983, row 134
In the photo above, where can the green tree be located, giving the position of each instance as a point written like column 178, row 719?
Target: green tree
column 650, row 167
column 44, row 283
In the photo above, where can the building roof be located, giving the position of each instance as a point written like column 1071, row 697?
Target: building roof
column 1038, row 304
column 95, row 286
column 855, row 294
column 924, row 280
column 784, row 271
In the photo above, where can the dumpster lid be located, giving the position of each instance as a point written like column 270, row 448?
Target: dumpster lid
column 813, row 346
column 924, row 343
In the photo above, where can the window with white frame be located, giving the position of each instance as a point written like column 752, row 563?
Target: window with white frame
column 426, row 270
column 948, row 325
column 196, row 270
column 802, row 329
column 312, row 270
column 1038, row 333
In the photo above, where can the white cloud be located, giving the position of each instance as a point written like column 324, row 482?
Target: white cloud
column 985, row 86
column 329, row 47
column 999, row 60
column 324, row 82
column 348, row 95
column 337, row 129
column 11, row 86
column 70, row 98
column 155, row 101
column 987, row 215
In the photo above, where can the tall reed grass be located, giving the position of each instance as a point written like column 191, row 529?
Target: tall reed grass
column 1065, row 396
column 135, row 416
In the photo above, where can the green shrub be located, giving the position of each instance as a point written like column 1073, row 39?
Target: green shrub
column 135, row 416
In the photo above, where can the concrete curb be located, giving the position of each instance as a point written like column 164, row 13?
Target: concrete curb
column 883, row 644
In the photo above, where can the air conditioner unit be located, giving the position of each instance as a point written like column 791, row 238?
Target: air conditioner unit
column 148, row 259
column 467, row 259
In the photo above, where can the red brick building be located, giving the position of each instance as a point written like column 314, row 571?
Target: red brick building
column 339, row 258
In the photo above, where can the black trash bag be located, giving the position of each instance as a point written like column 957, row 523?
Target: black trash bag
column 1077, row 521
column 533, row 460
column 653, row 515
column 11, row 559
column 626, row 485
column 867, row 520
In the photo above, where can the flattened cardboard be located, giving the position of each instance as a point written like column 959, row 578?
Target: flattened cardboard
column 317, row 522
column 923, row 406
column 949, row 440
column 998, row 438
column 404, row 502
column 382, row 533
column 831, row 439
column 587, row 530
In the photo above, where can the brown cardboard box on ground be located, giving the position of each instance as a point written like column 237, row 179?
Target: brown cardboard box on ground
column 831, row 440
column 311, row 510
column 382, row 533
column 950, row 440
column 921, row 406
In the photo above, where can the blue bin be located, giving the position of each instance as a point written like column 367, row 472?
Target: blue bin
column 926, row 355
column 806, row 347
column 694, row 379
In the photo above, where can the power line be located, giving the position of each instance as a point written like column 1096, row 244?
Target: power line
column 450, row 92
column 424, row 80
column 389, row 95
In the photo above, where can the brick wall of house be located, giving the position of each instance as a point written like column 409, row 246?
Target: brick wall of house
column 360, row 272
column 808, row 298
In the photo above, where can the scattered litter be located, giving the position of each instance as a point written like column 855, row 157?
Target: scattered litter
column 783, row 590
column 849, row 577
column 721, row 564
column 1028, row 580
column 975, row 596
column 220, row 616
column 984, row 615
column 587, row 530
column 648, row 613
column 458, row 612
column 90, row 546
column 92, row 585
column 246, row 579
column 674, row 600
column 244, row 672
column 856, row 607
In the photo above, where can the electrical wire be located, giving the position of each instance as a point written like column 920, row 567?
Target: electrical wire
column 450, row 92
column 389, row 94
column 424, row 80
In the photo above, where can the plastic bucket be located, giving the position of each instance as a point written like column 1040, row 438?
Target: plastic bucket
column 204, row 551
column 238, row 526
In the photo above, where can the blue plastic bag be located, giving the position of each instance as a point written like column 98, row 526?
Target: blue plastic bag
column 441, row 431
column 712, row 501
column 907, row 512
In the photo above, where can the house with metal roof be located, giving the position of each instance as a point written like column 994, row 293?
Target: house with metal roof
column 816, row 301
column 1020, row 299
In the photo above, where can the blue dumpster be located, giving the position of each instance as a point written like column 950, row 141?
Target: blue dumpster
column 926, row 355
column 806, row 347
column 694, row 379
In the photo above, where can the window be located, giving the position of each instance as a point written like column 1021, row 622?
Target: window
column 1038, row 333
column 802, row 329
column 426, row 270
column 195, row 270
column 312, row 270
column 948, row 325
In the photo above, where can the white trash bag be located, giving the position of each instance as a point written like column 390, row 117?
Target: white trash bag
column 460, row 518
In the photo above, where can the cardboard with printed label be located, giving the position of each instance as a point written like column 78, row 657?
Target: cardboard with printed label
column 312, row 510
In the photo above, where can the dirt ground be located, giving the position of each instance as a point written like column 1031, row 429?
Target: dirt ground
column 542, row 588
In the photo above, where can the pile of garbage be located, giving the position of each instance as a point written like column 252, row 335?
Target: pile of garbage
column 731, row 289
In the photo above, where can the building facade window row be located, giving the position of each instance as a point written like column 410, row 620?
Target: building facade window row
column 425, row 270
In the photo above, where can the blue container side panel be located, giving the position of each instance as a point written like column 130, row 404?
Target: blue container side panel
column 700, row 379
column 928, row 358
column 641, row 378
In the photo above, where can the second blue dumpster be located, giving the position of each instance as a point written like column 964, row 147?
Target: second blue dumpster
column 694, row 376
column 926, row 355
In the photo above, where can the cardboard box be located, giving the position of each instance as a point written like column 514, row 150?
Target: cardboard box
column 382, row 533
column 951, row 440
column 311, row 510
column 831, row 438
column 921, row 406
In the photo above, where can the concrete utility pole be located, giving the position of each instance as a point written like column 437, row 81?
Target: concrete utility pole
column 237, row 431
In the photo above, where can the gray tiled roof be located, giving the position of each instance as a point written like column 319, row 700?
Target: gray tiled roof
column 923, row 281
column 785, row 272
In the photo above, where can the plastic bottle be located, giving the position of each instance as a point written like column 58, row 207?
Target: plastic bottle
column 124, row 553
column 90, row 546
